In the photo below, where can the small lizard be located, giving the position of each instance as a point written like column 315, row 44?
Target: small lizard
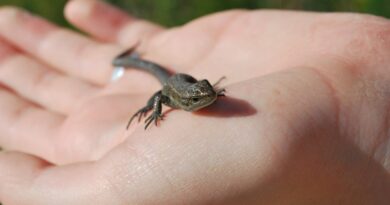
column 179, row 91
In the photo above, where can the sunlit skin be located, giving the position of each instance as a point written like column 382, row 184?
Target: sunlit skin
column 317, row 131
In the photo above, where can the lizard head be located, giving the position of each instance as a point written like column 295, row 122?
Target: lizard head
column 199, row 95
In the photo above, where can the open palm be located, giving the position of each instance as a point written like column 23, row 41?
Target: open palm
column 305, row 120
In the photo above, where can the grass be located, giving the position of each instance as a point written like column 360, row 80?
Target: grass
column 177, row 12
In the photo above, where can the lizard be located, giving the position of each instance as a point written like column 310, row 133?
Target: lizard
column 179, row 90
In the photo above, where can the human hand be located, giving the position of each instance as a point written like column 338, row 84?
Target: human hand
column 317, row 82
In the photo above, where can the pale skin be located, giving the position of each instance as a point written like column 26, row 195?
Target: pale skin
column 318, row 84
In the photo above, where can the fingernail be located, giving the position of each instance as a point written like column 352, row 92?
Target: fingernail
column 79, row 8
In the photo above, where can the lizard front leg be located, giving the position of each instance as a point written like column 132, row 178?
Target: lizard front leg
column 158, row 100
column 143, row 111
column 220, row 91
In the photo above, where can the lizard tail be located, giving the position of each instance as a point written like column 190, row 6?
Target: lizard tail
column 131, row 59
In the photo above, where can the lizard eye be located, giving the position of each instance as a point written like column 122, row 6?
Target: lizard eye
column 195, row 99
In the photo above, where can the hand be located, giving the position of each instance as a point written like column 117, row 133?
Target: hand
column 316, row 130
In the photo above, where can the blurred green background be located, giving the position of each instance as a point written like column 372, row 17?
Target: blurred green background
column 176, row 12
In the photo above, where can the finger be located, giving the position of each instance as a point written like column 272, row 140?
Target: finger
column 40, row 84
column 62, row 49
column 26, row 127
column 28, row 180
column 109, row 23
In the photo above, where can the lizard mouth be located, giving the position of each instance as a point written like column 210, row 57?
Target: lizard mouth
column 202, row 103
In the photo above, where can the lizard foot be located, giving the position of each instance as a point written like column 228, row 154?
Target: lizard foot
column 140, row 113
column 153, row 117
column 221, row 92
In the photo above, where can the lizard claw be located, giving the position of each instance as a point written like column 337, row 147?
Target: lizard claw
column 153, row 117
column 219, row 81
column 140, row 113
